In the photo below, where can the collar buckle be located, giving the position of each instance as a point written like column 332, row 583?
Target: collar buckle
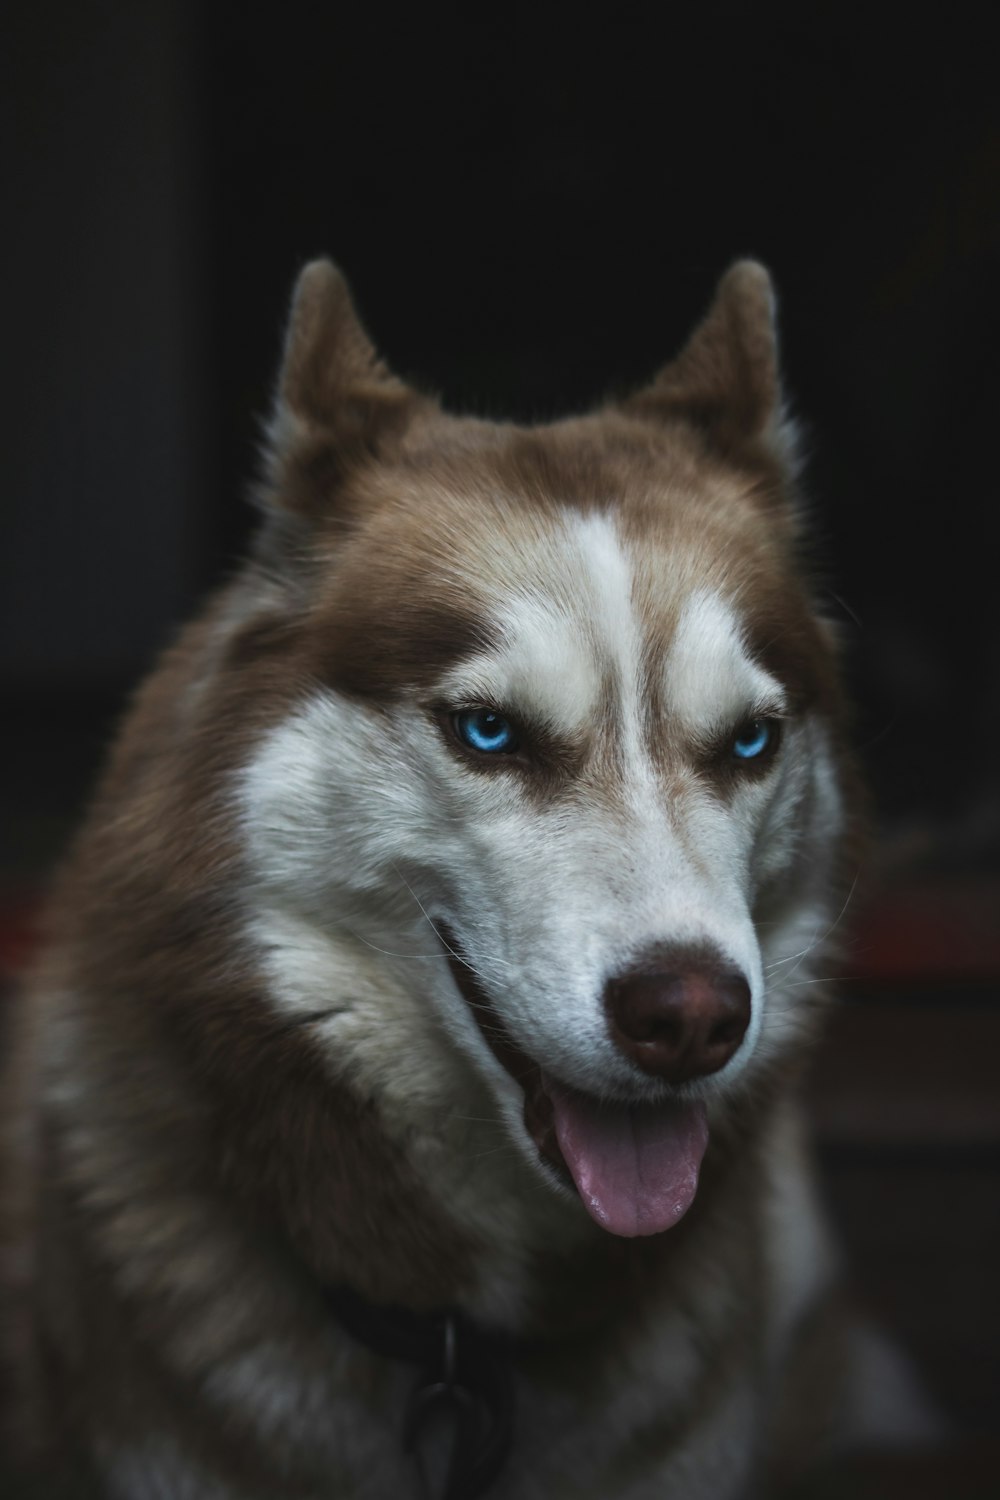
column 458, row 1423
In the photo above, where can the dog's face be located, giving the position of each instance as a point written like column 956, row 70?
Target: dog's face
column 566, row 757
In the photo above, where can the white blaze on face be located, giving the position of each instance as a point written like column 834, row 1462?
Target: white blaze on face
column 560, row 899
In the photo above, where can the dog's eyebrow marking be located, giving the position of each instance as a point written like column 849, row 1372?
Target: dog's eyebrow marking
column 563, row 636
column 541, row 670
column 711, row 681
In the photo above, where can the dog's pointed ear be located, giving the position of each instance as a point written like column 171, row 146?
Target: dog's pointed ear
column 337, row 405
column 329, row 360
column 726, row 381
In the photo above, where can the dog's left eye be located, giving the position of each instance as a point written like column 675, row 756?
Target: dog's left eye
column 485, row 730
column 754, row 738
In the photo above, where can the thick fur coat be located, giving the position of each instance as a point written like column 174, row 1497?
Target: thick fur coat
column 501, row 734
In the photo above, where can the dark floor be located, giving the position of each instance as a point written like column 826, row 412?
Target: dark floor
column 911, row 1181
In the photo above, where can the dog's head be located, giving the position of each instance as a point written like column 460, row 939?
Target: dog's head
column 565, row 755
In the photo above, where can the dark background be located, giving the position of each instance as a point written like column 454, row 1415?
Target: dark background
column 532, row 206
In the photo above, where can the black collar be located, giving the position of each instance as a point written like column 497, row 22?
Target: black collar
column 464, row 1387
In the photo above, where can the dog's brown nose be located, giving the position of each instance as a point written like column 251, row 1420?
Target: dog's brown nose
column 681, row 1016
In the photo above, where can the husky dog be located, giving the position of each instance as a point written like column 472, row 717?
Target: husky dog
column 419, row 1017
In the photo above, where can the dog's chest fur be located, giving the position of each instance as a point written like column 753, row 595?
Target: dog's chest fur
column 251, row 1066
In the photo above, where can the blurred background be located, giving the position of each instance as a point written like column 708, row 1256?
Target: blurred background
column 533, row 206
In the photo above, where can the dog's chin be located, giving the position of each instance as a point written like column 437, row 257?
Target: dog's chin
column 634, row 1166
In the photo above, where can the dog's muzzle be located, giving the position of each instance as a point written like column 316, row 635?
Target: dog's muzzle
column 634, row 1165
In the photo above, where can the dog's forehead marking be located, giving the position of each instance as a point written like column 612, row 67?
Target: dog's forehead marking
column 571, row 649
column 711, row 681
column 565, row 633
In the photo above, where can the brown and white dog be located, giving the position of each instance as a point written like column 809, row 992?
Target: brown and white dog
column 444, row 938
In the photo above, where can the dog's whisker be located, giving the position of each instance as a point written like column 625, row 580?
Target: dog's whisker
column 492, row 1032
column 845, row 607
column 804, row 952
column 803, row 983
column 391, row 952
column 314, row 1017
column 506, row 1147
column 427, row 917
column 495, row 964
column 359, row 937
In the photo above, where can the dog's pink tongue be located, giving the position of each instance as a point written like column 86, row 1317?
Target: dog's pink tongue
column 635, row 1166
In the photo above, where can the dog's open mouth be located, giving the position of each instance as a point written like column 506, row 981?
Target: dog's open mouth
column 635, row 1166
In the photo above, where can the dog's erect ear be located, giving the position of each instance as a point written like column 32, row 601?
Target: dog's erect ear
column 725, row 381
column 329, row 361
column 337, row 404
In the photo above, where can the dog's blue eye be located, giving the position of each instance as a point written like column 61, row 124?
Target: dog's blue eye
column 753, row 739
column 485, row 730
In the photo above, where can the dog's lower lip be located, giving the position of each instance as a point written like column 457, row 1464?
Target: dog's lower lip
column 538, row 1109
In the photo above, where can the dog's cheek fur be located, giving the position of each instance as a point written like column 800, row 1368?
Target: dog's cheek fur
column 334, row 863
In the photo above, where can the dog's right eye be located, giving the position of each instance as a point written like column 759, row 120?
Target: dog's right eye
column 486, row 731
